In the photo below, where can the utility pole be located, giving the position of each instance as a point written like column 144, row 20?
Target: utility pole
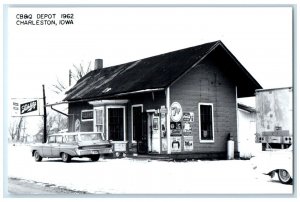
column 70, row 77
column 45, row 116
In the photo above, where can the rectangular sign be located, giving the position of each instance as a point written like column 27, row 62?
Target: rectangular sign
column 175, row 144
column 28, row 107
column 188, row 116
column 188, row 143
column 25, row 107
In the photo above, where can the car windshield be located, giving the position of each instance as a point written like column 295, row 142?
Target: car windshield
column 91, row 137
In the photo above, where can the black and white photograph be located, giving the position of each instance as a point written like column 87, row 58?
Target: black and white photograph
column 110, row 100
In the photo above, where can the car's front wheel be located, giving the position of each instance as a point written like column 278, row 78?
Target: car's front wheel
column 95, row 158
column 37, row 156
column 284, row 176
column 65, row 157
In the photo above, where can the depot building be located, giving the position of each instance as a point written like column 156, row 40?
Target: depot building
column 178, row 103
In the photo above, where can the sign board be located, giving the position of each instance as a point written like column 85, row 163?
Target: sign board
column 188, row 143
column 176, row 128
column 120, row 146
column 77, row 125
column 175, row 144
column 187, row 128
column 176, row 112
column 188, row 116
column 26, row 107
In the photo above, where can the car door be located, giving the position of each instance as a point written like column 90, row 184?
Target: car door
column 55, row 149
column 47, row 146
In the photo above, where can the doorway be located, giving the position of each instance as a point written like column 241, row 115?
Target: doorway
column 116, row 123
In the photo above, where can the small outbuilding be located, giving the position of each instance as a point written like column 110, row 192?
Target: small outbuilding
column 181, row 103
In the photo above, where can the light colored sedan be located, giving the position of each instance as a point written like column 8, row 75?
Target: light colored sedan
column 276, row 161
column 69, row 145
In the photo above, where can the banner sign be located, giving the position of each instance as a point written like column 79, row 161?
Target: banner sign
column 25, row 107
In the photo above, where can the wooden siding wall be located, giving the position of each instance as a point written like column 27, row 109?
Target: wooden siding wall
column 207, row 83
column 75, row 113
column 149, row 101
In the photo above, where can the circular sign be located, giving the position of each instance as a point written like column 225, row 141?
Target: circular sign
column 176, row 112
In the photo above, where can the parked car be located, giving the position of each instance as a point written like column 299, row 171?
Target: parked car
column 69, row 145
column 276, row 161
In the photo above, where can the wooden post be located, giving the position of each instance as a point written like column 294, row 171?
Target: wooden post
column 45, row 116
column 70, row 77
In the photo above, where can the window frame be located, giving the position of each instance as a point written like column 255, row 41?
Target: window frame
column 212, row 115
column 95, row 119
column 124, row 120
column 88, row 110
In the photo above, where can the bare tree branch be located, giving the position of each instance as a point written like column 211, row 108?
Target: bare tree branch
column 76, row 74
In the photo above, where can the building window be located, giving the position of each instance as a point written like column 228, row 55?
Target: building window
column 115, row 116
column 87, row 115
column 206, row 122
column 99, row 119
column 136, row 115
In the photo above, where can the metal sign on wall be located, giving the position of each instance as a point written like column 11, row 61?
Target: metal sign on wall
column 176, row 112
column 25, row 107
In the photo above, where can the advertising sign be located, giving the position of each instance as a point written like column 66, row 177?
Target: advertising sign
column 164, row 144
column 187, row 129
column 175, row 144
column 25, row 107
column 188, row 116
column 176, row 128
column 188, row 143
column 28, row 107
column 176, row 112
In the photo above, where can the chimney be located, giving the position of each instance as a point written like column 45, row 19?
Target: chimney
column 98, row 63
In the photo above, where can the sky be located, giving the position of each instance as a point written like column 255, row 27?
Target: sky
column 259, row 37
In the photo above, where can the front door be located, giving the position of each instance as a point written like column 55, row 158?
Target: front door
column 154, row 133
column 142, row 140
column 116, row 124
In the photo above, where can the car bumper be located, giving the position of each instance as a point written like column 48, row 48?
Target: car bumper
column 94, row 152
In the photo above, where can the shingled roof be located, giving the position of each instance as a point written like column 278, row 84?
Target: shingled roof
column 153, row 73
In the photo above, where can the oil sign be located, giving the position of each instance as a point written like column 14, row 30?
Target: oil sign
column 28, row 107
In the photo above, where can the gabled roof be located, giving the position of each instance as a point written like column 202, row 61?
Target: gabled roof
column 153, row 73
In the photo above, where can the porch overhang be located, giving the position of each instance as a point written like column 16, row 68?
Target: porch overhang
column 105, row 102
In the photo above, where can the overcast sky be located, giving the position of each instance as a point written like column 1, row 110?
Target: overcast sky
column 260, row 38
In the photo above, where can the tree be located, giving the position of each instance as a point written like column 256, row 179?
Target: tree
column 56, row 122
column 76, row 74
column 15, row 128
